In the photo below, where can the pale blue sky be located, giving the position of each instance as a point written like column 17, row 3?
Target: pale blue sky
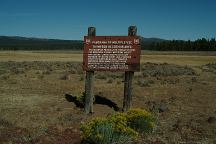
column 69, row 19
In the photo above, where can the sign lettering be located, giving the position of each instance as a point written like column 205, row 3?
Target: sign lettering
column 111, row 53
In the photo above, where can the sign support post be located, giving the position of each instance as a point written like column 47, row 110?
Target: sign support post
column 127, row 102
column 89, row 81
column 111, row 53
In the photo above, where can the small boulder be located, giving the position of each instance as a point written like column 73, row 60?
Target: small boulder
column 163, row 107
column 211, row 120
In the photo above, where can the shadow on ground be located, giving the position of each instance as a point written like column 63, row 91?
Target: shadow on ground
column 98, row 100
column 73, row 99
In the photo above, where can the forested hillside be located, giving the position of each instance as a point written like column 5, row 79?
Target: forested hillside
column 23, row 43
column 180, row 45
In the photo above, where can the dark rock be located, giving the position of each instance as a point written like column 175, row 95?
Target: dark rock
column 163, row 107
column 211, row 120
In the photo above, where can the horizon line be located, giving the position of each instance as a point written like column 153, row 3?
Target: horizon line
column 49, row 38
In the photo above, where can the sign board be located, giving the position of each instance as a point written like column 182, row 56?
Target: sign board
column 111, row 53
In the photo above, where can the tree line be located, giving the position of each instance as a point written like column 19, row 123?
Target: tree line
column 22, row 43
column 180, row 45
column 17, row 43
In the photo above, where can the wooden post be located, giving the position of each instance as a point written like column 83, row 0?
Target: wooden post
column 89, row 82
column 132, row 31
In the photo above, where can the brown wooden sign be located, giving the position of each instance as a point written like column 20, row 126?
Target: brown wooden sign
column 111, row 53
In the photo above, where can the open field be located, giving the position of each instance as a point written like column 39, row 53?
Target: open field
column 179, row 88
column 181, row 58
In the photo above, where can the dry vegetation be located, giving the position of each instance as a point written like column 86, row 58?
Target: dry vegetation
column 179, row 89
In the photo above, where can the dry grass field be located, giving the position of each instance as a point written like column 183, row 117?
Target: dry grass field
column 178, row 88
column 180, row 58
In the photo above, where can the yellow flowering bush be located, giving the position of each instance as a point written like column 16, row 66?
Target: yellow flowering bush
column 119, row 120
column 120, row 123
column 140, row 120
column 106, row 131
column 90, row 130
column 117, row 128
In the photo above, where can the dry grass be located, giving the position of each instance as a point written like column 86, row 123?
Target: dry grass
column 179, row 59
column 196, row 58
column 34, row 108
column 39, row 56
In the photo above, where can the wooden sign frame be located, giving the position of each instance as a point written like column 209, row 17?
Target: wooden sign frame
column 111, row 53
column 132, row 62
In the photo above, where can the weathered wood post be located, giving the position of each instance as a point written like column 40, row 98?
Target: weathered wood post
column 89, row 81
column 132, row 31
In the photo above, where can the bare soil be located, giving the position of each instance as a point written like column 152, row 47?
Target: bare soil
column 34, row 107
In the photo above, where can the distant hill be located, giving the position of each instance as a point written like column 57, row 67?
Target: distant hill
column 151, row 40
column 25, row 43
column 157, row 44
column 18, row 38
column 6, row 39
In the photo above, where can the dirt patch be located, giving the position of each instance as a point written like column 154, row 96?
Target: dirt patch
column 49, row 135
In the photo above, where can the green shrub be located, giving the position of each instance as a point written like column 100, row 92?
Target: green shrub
column 103, row 131
column 118, row 128
column 140, row 120
column 120, row 123
column 81, row 78
column 110, row 81
column 100, row 76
